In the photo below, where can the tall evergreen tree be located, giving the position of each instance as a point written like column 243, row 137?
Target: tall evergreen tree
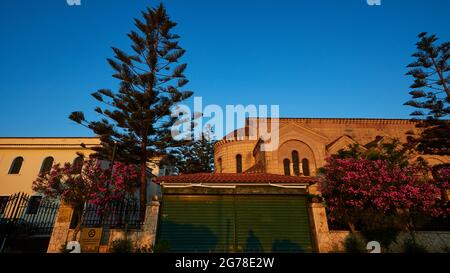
column 196, row 156
column 431, row 94
column 137, row 116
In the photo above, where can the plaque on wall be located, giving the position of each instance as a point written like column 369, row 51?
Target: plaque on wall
column 90, row 239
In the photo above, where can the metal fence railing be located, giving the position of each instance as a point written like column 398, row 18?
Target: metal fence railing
column 118, row 215
column 31, row 215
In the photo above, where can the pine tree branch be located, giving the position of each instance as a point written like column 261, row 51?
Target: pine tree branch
column 439, row 72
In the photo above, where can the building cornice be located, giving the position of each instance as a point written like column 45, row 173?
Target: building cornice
column 359, row 121
column 380, row 121
column 48, row 142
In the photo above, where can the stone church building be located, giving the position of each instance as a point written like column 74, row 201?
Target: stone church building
column 260, row 200
column 305, row 143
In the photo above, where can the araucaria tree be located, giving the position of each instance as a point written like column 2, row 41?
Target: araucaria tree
column 137, row 116
column 431, row 94
column 196, row 156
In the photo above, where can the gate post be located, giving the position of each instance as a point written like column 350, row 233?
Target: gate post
column 151, row 220
column 61, row 229
column 320, row 226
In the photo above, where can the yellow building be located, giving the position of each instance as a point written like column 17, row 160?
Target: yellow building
column 21, row 159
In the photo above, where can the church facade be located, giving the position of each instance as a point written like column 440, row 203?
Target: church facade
column 305, row 143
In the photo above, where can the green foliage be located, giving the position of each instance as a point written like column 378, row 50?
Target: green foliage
column 122, row 246
column 446, row 249
column 161, row 247
column 409, row 246
column 354, row 244
column 430, row 94
column 144, row 249
column 391, row 150
column 430, row 90
column 348, row 198
column 196, row 156
column 377, row 226
column 137, row 117
column 434, row 139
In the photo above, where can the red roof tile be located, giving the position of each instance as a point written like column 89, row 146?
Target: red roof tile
column 234, row 178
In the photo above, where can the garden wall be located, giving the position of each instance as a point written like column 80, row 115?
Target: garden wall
column 333, row 241
column 142, row 238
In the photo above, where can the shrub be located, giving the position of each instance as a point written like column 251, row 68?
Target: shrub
column 379, row 227
column 161, row 247
column 354, row 244
column 409, row 246
column 122, row 246
column 144, row 249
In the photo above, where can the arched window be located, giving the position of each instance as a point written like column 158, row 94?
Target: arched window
column 47, row 165
column 239, row 163
column 305, row 165
column 296, row 163
column 219, row 165
column 287, row 166
column 16, row 165
column 78, row 163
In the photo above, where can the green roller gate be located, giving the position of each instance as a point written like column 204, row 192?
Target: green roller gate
column 234, row 223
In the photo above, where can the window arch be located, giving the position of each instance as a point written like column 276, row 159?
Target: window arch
column 296, row 163
column 287, row 166
column 16, row 165
column 239, row 163
column 305, row 166
column 46, row 165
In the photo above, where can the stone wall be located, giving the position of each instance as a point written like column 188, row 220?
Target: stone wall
column 143, row 238
column 326, row 240
column 315, row 140
column 434, row 241
column 228, row 151
column 333, row 241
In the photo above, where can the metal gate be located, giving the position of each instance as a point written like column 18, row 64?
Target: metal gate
column 26, row 222
column 234, row 223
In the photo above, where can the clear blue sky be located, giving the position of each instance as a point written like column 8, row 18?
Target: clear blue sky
column 321, row 58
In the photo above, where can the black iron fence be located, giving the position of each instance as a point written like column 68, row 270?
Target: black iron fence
column 25, row 214
column 123, row 215
column 26, row 222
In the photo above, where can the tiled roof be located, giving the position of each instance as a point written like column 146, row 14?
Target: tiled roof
column 234, row 178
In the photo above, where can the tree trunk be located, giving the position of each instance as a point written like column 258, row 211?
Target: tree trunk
column 441, row 77
column 352, row 227
column 143, row 191
column 78, row 227
column 410, row 227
